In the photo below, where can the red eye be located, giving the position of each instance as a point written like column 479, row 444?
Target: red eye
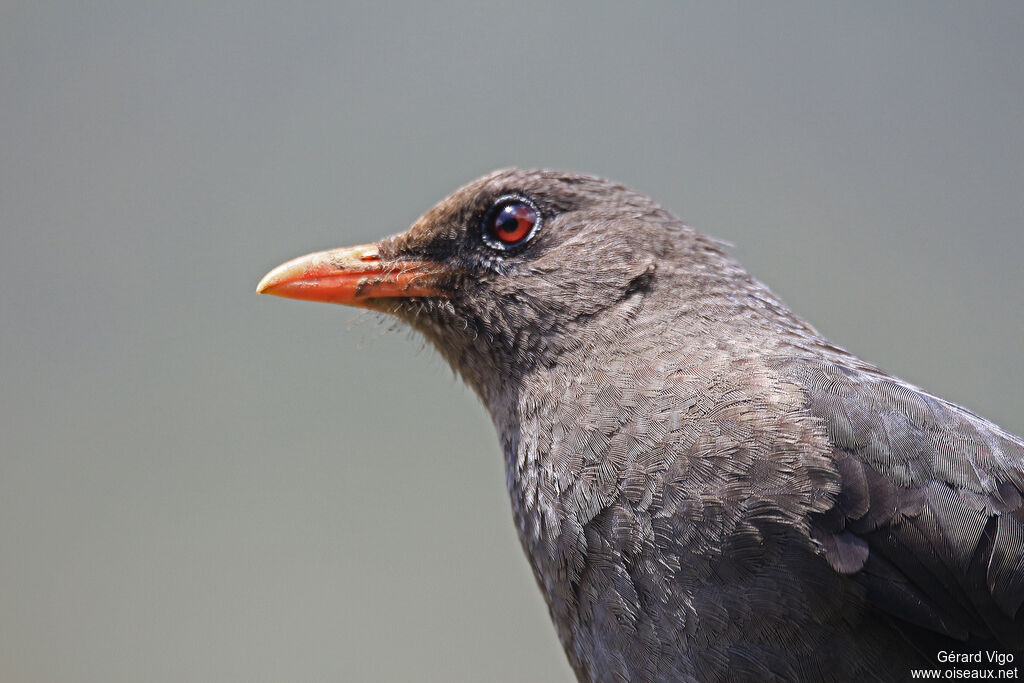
column 511, row 223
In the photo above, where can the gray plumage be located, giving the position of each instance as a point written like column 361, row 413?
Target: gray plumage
column 706, row 488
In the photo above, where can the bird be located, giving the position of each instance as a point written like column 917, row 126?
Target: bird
column 705, row 487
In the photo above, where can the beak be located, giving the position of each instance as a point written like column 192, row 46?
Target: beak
column 355, row 276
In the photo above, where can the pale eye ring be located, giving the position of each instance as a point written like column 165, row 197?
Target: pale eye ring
column 511, row 222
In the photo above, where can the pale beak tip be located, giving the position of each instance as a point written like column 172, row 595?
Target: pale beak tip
column 268, row 282
column 261, row 288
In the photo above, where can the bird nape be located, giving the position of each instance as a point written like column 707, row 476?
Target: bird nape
column 705, row 488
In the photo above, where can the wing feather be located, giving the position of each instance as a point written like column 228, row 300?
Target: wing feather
column 932, row 493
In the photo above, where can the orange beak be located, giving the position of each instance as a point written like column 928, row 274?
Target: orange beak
column 354, row 276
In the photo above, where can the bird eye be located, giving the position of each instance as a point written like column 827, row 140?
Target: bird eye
column 511, row 222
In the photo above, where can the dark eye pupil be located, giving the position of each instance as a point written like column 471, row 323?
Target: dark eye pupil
column 513, row 223
column 513, row 218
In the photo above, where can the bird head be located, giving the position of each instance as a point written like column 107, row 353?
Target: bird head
column 511, row 271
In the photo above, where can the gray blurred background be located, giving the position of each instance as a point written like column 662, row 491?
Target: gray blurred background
column 199, row 484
